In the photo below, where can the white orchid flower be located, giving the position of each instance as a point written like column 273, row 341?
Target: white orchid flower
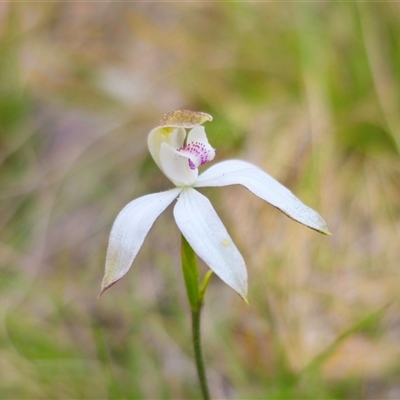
column 195, row 217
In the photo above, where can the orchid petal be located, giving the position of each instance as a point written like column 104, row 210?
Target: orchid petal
column 129, row 231
column 171, row 129
column 198, row 148
column 234, row 172
column 202, row 228
column 173, row 136
column 197, row 134
column 176, row 166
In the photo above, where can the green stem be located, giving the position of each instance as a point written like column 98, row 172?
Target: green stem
column 201, row 373
column 195, row 294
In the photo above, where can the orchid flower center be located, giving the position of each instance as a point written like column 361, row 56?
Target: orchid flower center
column 198, row 153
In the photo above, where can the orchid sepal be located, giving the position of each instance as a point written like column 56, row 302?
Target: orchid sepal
column 207, row 235
column 237, row 172
column 129, row 231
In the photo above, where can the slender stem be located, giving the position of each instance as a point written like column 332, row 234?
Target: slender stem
column 195, row 294
column 196, row 314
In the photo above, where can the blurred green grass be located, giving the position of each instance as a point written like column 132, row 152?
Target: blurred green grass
column 309, row 92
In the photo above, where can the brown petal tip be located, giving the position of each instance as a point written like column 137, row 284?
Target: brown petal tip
column 184, row 118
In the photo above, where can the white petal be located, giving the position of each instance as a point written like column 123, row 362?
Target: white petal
column 202, row 228
column 173, row 136
column 128, row 233
column 176, row 166
column 234, row 172
column 197, row 134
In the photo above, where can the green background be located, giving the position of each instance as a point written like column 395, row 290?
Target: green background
column 310, row 92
